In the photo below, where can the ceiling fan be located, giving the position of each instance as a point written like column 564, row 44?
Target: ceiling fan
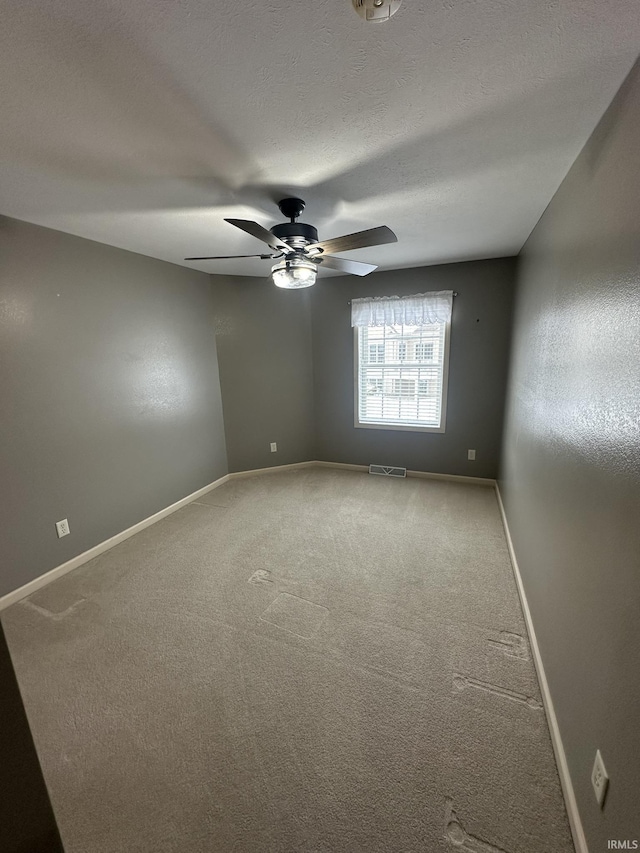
column 301, row 251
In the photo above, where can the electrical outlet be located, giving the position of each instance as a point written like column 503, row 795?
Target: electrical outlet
column 63, row 528
column 274, row 447
column 471, row 455
column 599, row 779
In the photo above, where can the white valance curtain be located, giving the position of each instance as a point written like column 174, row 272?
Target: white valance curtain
column 417, row 310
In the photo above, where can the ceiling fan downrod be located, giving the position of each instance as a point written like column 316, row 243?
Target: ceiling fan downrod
column 296, row 234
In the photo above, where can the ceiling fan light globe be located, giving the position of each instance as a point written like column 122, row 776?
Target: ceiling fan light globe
column 294, row 273
column 375, row 11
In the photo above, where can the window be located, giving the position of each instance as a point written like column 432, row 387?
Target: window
column 403, row 387
column 426, row 387
column 425, row 351
column 376, row 353
column 401, row 368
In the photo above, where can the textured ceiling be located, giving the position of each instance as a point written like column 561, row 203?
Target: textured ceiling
column 142, row 123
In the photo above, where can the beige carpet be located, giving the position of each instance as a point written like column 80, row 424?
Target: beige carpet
column 304, row 662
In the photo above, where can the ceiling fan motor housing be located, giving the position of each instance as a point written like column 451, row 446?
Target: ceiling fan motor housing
column 293, row 232
column 376, row 11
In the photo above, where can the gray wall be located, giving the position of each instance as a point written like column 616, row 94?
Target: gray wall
column 571, row 469
column 264, row 348
column 480, row 332
column 109, row 392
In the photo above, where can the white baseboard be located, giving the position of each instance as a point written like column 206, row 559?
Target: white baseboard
column 37, row 583
column 575, row 822
column 344, row 465
column 271, row 470
column 454, row 478
column 347, row 466
column 425, row 475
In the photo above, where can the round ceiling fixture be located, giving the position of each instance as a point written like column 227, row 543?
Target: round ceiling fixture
column 294, row 272
column 376, row 10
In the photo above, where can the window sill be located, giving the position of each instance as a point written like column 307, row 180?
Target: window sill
column 398, row 427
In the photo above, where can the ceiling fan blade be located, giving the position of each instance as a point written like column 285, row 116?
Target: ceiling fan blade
column 359, row 240
column 226, row 257
column 344, row 265
column 261, row 233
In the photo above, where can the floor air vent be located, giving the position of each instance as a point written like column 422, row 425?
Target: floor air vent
column 387, row 471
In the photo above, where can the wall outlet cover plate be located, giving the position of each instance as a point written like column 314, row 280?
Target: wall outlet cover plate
column 599, row 779
column 62, row 528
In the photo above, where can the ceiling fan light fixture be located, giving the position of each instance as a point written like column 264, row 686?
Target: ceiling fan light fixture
column 293, row 273
column 375, row 11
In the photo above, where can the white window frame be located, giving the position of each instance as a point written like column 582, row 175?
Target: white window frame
column 401, row 427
